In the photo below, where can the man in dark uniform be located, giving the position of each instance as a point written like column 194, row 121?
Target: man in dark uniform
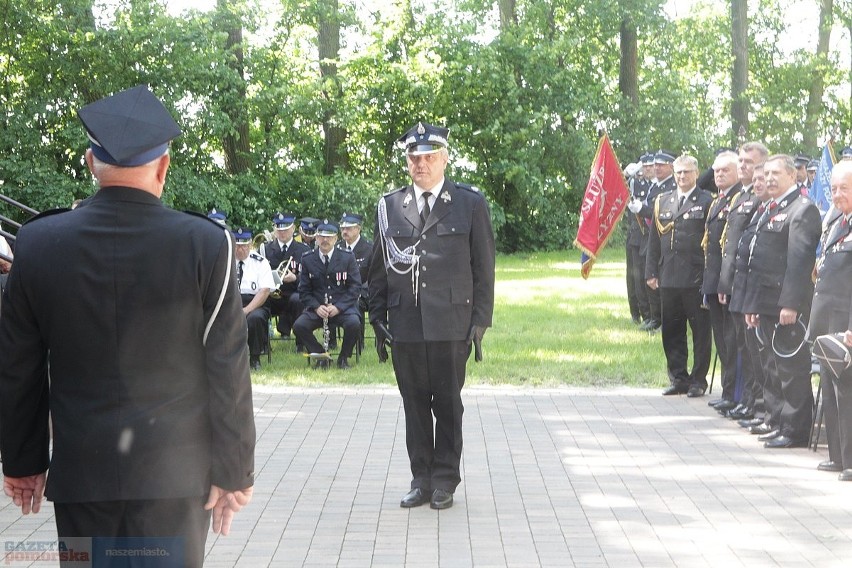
column 742, row 209
column 801, row 161
column 637, row 234
column 284, row 254
column 832, row 313
column 431, row 295
column 663, row 183
column 149, row 392
column 254, row 277
column 727, row 182
column 675, row 265
column 329, row 287
column 352, row 241
column 308, row 231
column 778, row 293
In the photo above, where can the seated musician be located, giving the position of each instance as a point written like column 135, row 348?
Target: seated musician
column 362, row 248
column 285, row 257
column 329, row 286
column 255, row 280
column 308, row 231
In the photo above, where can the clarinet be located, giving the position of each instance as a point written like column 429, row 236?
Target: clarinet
column 326, row 337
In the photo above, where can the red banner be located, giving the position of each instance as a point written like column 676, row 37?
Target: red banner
column 603, row 203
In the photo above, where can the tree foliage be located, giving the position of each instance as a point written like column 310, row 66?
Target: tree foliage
column 278, row 116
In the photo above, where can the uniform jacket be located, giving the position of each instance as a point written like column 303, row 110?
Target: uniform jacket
column 363, row 252
column 675, row 257
column 340, row 281
column 742, row 253
column 637, row 228
column 150, row 394
column 742, row 210
column 455, row 284
column 832, row 303
column 782, row 258
column 647, row 212
column 273, row 253
column 717, row 218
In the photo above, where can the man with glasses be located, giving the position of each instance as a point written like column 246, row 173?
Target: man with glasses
column 675, row 266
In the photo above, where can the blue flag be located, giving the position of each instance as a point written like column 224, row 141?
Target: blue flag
column 820, row 190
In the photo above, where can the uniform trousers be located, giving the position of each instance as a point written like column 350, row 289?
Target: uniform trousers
column 791, row 377
column 430, row 376
column 258, row 327
column 287, row 308
column 751, row 370
column 184, row 520
column 309, row 321
column 725, row 338
column 679, row 307
column 637, row 289
column 843, row 404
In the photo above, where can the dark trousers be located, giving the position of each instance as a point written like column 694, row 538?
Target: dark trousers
column 831, row 415
column 287, row 309
column 637, row 290
column 145, row 524
column 258, row 327
column 750, row 368
column 679, row 307
column 843, row 398
column 725, row 338
column 310, row 321
column 430, row 376
column 791, row 376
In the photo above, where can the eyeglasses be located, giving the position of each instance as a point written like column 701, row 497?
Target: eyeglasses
column 684, row 172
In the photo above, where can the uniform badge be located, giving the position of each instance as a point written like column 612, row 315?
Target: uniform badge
column 407, row 199
column 446, row 197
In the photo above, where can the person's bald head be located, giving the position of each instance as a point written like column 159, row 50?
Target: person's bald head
column 841, row 186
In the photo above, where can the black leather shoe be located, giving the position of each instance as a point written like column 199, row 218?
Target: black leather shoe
column 771, row 435
column 414, row 498
column 784, row 442
column 761, row 429
column 845, row 475
column 750, row 423
column 729, row 411
column 724, row 405
column 441, row 499
column 741, row 412
column 715, row 401
column 254, row 363
column 695, row 391
column 675, row 389
column 343, row 363
column 829, row 466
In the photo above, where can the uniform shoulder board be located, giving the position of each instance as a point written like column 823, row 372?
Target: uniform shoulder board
column 47, row 213
column 397, row 190
column 307, row 252
column 256, row 256
column 467, row 186
column 205, row 217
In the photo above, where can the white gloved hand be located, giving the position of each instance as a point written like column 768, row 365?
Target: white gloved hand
column 634, row 205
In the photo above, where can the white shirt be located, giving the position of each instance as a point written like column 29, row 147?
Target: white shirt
column 257, row 274
column 347, row 246
column 418, row 192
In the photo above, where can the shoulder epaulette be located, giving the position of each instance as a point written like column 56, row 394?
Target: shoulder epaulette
column 256, row 256
column 467, row 186
column 397, row 190
column 47, row 213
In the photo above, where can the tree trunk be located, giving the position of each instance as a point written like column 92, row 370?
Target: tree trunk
column 508, row 14
column 628, row 82
column 739, row 73
column 328, row 40
column 235, row 143
column 813, row 110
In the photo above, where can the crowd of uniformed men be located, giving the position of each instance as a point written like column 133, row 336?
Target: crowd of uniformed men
column 742, row 256
column 306, row 281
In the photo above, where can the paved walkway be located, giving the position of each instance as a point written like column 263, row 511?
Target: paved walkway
column 568, row 477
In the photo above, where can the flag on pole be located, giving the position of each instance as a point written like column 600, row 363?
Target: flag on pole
column 820, row 190
column 603, row 204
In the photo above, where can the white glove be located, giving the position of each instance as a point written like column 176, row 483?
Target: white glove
column 634, row 206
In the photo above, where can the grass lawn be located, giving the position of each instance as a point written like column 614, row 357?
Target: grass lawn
column 551, row 328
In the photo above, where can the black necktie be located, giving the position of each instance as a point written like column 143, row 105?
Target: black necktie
column 240, row 273
column 284, row 250
column 424, row 213
column 325, row 260
column 682, row 199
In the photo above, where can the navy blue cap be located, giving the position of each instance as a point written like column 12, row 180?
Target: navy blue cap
column 801, row 160
column 217, row 215
column 647, row 158
column 664, row 157
column 242, row 236
column 283, row 220
column 309, row 225
column 351, row 219
column 326, row 229
column 423, row 138
column 846, row 152
column 813, row 165
column 129, row 128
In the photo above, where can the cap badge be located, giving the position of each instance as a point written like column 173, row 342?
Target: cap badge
column 420, row 128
